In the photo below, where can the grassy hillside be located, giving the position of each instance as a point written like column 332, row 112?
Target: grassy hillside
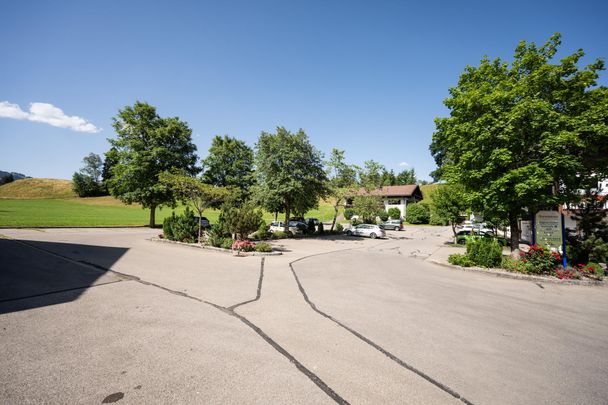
column 37, row 188
column 47, row 202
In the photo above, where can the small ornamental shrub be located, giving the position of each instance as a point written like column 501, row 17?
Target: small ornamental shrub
column 339, row 228
column 484, row 252
column 227, row 243
column 181, row 228
column 417, row 213
column 263, row 247
column 383, row 215
column 566, row 274
column 540, row 260
column 321, row 230
column 460, row 260
column 348, row 213
column 243, row 245
column 394, row 213
column 168, row 227
column 591, row 270
column 262, row 232
column 279, row 235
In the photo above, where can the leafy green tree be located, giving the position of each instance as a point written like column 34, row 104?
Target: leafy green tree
column 394, row 213
column 111, row 158
column 418, row 213
column 370, row 176
column 148, row 145
column 194, row 192
column 342, row 179
column 229, row 164
column 290, row 172
column 388, row 178
column 87, row 182
column 518, row 134
column 367, row 207
column 449, row 203
column 406, row 177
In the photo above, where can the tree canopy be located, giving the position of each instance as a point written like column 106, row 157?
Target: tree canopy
column 229, row 164
column 146, row 146
column 342, row 180
column 87, row 182
column 517, row 134
column 289, row 172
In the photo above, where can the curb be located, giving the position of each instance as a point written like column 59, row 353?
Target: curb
column 518, row 276
column 213, row 248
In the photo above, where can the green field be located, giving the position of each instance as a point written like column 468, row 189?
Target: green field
column 100, row 211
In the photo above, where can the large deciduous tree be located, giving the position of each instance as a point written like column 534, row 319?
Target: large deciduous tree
column 518, row 135
column 87, row 181
column 289, row 172
column 229, row 164
column 148, row 145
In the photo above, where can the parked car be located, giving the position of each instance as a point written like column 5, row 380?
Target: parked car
column 295, row 227
column 203, row 221
column 373, row 231
column 394, row 224
column 462, row 235
column 313, row 220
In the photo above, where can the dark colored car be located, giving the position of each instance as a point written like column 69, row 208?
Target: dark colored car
column 203, row 221
column 393, row 224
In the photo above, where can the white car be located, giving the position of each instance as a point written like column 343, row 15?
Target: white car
column 373, row 231
column 295, row 227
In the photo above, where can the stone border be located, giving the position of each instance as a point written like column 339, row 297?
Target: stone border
column 216, row 249
column 520, row 276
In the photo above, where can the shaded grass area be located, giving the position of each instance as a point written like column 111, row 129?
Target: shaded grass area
column 102, row 211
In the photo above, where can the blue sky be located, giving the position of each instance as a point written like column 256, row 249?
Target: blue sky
column 366, row 77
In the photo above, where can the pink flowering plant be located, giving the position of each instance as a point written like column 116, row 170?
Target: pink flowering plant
column 539, row 260
column 243, row 246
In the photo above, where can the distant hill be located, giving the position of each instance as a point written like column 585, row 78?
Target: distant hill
column 37, row 188
column 16, row 175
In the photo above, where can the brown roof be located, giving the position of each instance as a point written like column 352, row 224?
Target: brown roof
column 407, row 190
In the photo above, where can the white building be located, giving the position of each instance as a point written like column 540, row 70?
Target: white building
column 394, row 196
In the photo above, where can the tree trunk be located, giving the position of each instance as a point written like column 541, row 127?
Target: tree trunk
column 200, row 216
column 514, row 225
column 286, row 224
column 333, row 223
column 152, row 216
column 453, row 227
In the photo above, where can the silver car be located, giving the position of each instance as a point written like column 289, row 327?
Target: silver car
column 373, row 231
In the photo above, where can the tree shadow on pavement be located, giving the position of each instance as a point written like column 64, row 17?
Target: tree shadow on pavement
column 36, row 274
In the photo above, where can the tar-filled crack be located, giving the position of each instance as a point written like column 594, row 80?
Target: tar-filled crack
column 259, row 292
column 226, row 310
column 369, row 341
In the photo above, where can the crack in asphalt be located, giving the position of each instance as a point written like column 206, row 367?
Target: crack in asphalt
column 226, row 310
column 371, row 343
column 259, row 292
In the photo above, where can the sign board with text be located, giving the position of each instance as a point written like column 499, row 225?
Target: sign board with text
column 549, row 229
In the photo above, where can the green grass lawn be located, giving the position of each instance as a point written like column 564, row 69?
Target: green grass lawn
column 101, row 211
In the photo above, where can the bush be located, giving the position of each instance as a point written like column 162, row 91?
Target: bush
column 437, row 220
column 86, row 186
column 383, row 215
column 460, row 260
column 279, row 235
column 243, row 245
column 263, row 247
column 339, row 228
column 321, row 229
column 394, row 213
column 484, row 252
column 168, row 227
column 182, row 228
column 227, row 243
column 348, row 213
column 263, row 229
column 540, row 260
column 417, row 214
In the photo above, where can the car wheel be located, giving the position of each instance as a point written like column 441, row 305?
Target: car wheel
column 349, row 233
column 396, row 228
column 372, row 235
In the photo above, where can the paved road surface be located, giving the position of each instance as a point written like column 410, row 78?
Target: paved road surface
column 88, row 316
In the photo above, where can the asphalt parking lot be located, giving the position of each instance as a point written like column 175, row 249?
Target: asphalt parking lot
column 107, row 315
